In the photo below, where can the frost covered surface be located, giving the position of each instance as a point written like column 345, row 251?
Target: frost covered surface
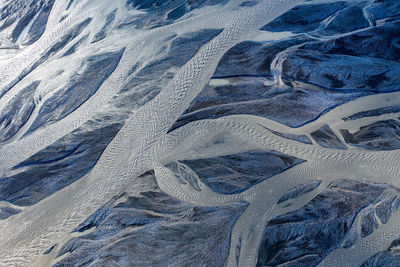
column 59, row 165
column 304, row 237
column 125, row 227
column 326, row 138
column 389, row 257
column 380, row 135
column 199, row 133
column 235, row 173
column 299, row 190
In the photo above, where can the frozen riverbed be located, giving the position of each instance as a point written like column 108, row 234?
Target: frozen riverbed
column 199, row 133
